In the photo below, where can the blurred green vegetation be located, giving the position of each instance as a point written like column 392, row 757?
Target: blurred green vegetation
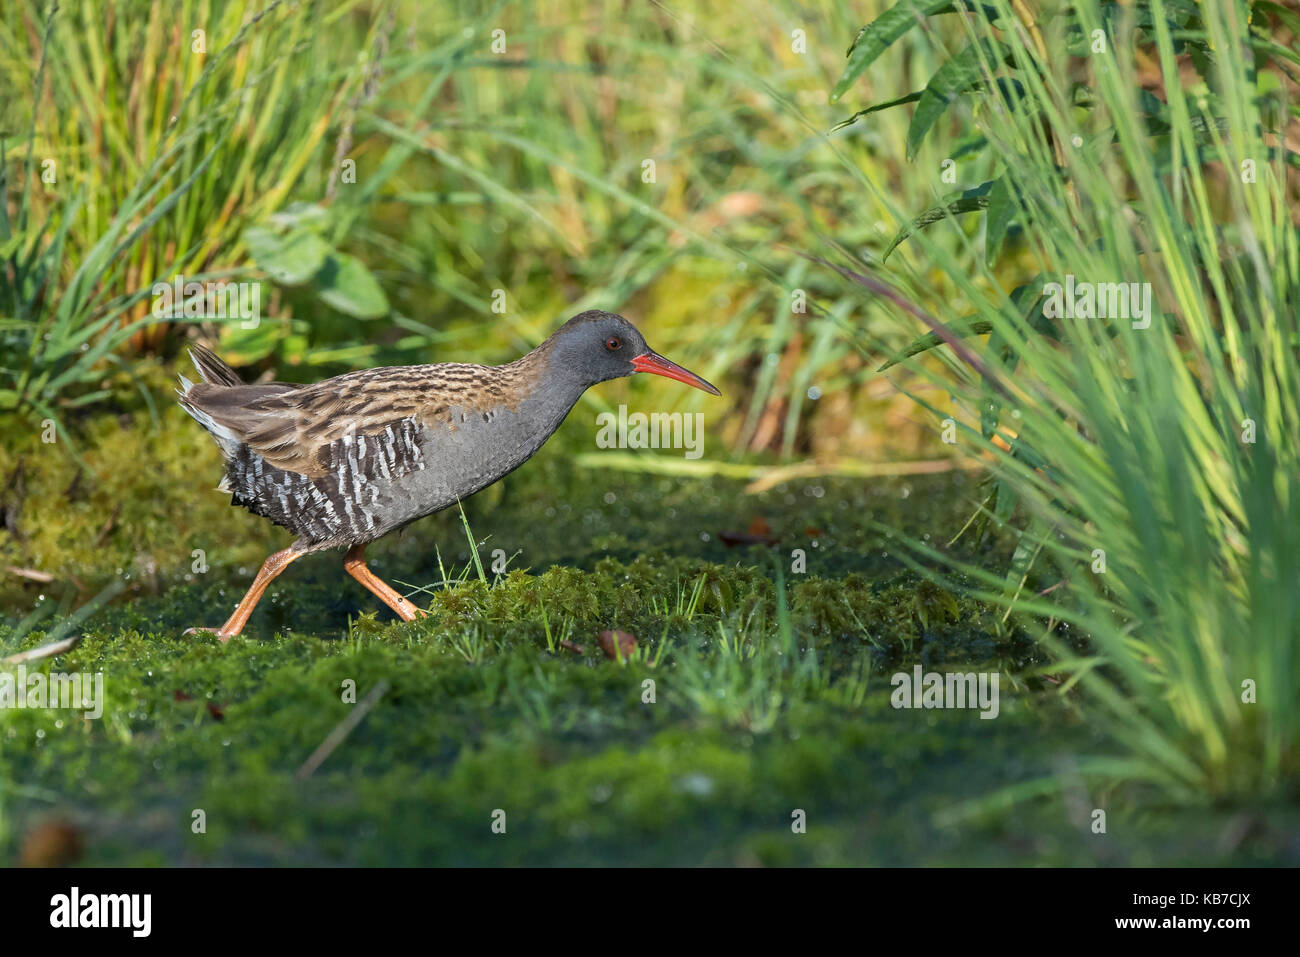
column 465, row 183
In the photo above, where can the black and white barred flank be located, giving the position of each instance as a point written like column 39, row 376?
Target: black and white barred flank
column 340, row 504
column 339, row 507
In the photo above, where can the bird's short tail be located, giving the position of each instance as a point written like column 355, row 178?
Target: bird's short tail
column 213, row 372
column 212, row 369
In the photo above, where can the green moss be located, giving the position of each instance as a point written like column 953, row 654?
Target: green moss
column 747, row 726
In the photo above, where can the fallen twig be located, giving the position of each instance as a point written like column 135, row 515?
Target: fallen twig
column 44, row 651
column 342, row 730
column 31, row 574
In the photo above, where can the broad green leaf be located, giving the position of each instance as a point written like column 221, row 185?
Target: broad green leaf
column 261, row 242
column 968, row 202
column 1025, row 298
column 976, row 327
column 347, row 285
column 910, row 98
column 876, row 37
column 1002, row 209
column 958, row 75
column 1006, row 498
column 969, row 146
column 990, row 13
column 290, row 261
column 306, row 215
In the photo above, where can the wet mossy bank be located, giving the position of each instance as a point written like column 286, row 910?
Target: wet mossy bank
column 758, row 696
column 481, row 726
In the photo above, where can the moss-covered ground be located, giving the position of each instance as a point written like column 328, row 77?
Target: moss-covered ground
column 758, row 694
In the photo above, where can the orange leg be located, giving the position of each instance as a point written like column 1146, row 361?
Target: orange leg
column 269, row 570
column 355, row 563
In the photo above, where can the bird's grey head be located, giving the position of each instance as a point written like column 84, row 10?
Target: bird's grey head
column 595, row 346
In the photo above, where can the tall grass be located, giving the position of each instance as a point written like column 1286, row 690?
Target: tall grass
column 1158, row 468
column 145, row 151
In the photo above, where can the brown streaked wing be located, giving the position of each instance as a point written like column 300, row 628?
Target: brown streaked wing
column 297, row 430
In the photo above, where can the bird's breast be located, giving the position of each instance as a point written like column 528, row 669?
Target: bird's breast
column 465, row 451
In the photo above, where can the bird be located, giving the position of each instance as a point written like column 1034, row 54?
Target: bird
column 343, row 462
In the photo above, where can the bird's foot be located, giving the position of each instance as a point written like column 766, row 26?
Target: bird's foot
column 407, row 610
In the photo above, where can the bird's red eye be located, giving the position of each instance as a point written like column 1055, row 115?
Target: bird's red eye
column 613, row 343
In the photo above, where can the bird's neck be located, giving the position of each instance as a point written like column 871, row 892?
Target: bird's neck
column 547, row 388
column 542, row 374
